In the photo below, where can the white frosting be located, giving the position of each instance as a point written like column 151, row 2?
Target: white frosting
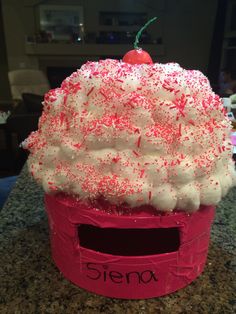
column 139, row 134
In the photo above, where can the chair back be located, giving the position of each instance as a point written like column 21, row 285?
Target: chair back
column 27, row 81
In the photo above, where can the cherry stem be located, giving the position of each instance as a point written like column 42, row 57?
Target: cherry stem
column 140, row 32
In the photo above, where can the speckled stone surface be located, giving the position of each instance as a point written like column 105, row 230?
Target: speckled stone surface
column 30, row 283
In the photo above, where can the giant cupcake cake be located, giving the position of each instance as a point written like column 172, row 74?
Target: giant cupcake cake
column 133, row 156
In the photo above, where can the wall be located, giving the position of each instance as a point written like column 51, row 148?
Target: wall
column 188, row 32
column 186, row 26
column 18, row 21
column 4, row 86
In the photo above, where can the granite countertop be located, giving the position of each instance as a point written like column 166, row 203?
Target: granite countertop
column 30, row 283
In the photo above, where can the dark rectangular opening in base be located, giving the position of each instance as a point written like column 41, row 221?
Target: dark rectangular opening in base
column 129, row 242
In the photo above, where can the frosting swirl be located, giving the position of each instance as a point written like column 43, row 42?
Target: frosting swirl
column 137, row 134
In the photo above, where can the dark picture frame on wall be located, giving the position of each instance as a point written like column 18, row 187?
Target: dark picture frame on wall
column 62, row 23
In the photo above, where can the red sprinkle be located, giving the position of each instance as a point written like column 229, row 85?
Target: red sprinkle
column 103, row 94
column 77, row 145
column 191, row 122
column 115, row 159
column 135, row 153
column 139, row 141
column 142, row 173
column 149, row 195
column 180, row 127
column 90, row 91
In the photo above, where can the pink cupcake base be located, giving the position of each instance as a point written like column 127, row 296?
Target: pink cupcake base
column 130, row 256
